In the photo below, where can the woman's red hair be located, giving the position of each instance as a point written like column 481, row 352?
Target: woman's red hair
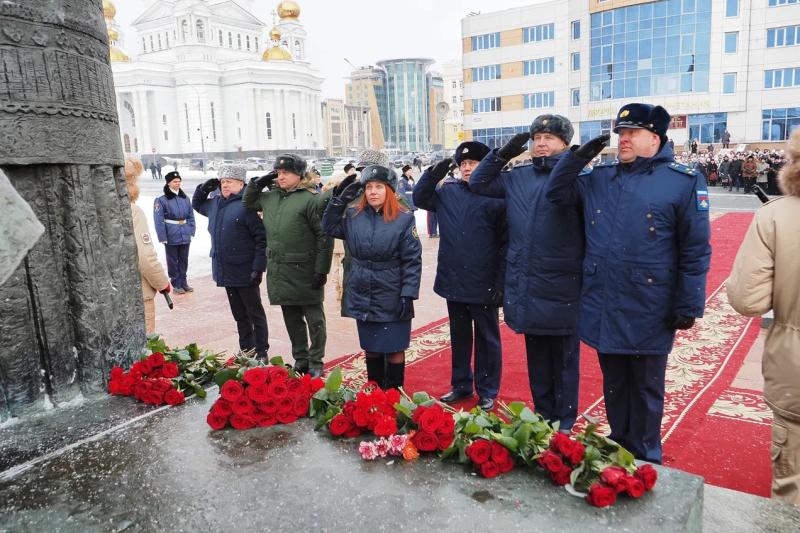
column 391, row 207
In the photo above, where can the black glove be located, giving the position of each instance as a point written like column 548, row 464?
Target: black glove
column 264, row 182
column 677, row 321
column 256, row 278
column 210, row 185
column 344, row 184
column 593, row 147
column 514, row 147
column 350, row 193
column 440, row 169
column 318, row 281
column 406, row 307
column 497, row 298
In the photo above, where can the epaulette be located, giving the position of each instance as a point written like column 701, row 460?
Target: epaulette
column 677, row 167
column 606, row 164
column 586, row 170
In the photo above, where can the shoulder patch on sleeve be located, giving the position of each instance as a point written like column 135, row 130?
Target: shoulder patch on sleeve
column 683, row 169
column 415, row 233
column 157, row 205
column 146, row 238
column 702, row 200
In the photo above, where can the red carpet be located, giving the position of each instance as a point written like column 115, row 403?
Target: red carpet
column 702, row 365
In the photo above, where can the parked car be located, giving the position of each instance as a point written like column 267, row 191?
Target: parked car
column 214, row 165
column 255, row 163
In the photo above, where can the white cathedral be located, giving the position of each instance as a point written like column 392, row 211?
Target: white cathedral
column 207, row 76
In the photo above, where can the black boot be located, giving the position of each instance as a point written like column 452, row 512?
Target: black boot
column 375, row 369
column 395, row 375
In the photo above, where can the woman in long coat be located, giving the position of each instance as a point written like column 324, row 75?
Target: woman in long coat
column 385, row 270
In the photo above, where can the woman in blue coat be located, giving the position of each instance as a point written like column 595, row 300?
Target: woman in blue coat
column 174, row 221
column 385, row 270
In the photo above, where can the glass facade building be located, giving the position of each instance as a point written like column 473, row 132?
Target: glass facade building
column 407, row 114
column 708, row 127
column 650, row 49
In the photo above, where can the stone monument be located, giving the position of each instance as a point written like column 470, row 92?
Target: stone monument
column 73, row 306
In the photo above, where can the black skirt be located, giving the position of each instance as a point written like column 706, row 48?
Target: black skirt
column 384, row 337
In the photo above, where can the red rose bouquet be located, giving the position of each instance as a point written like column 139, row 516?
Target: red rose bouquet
column 372, row 410
column 490, row 458
column 149, row 380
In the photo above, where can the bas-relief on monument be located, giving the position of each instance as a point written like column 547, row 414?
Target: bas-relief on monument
column 72, row 307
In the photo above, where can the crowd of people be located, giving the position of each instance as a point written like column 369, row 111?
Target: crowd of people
column 613, row 254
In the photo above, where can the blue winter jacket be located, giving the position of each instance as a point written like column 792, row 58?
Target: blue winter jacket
column 473, row 237
column 545, row 247
column 386, row 260
column 405, row 189
column 238, row 238
column 647, row 248
column 175, row 208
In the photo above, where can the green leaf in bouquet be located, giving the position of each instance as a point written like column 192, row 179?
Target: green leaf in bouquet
column 404, row 410
column 183, row 355
column 516, row 407
column 462, row 452
column 156, row 344
column 526, row 415
column 277, row 361
column 421, row 398
column 408, row 404
column 224, row 375
column 450, row 451
column 592, row 454
column 623, row 457
column 334, row 380
column 523, row 434
column 506, row 441
column 321, row 394
column 472, row 428
column 483, row 421
column 193, row 350
column 200, row 392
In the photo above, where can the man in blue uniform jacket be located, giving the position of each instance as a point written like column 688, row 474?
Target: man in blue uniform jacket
column 469, row 274
column 173, row 218
column 543, row 264
column 644, row 275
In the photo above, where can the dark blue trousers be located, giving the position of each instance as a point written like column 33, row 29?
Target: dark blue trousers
column 433, row 224
column 488, row 352
column 251, row 321
column 633, row 390
column 177, row 263
column 553, row 374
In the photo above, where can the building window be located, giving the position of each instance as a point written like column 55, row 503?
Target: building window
column 294, row 127
column 773, row 3
column 213, row 122
column 497, row 137
column 152, row 48
column 256, row 43
column 184, row 30
column 731, row 42
column 164, row 120
column 239, row 133
column 576, row 29
column 779, row 124
column 592, row 128
column 576, row 97
column 729, row 83
column 247, row 41
column 537, row 100
column 785, row 36
column 782, row 77
column 650, row 49
column 460, row 84
column 166, row 135
column 486, row 105
column 490, row 72
column 269, row 127
column 486, row 41
column 129, row 108
column 159, row 41
column 144, row 45
column 201, row 31
column 455, row 99
column 126, row 141
column 166, row 37
column 576, row 61
column 188, row 131
column 542, row 32
column 731, row 8
column 230, row 40
column 454, row 84
column 238, row 117
column 708, row 127
column 239, row 40
column 545, row 65
column 221, row 42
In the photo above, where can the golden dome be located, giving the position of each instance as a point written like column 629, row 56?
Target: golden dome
column 113, row 35
column 288, row 10
column 275, row 34
column 118, row 56
column 276, row 53
column 109, row 11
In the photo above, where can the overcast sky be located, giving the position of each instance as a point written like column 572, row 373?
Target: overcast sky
column 363, row 31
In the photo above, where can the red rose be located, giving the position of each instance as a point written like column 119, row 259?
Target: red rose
column 601, row 495
column 551, row 461
column 634, row 486
column 145, row 366
column 614, row 476
column 257, row 393
column 500, row 453
column 561, row 443
column 425, row 441
column 295, row 387
column 216, row 420
column 340, row 424
column 231, row 390
column 361, row 418
column 392, row 397
column 116, row 373
column 270, row 406
column 242, row 422
column 162, row 385
column 222, row 407
column 561, row 477
column 113, row 387
column 174, row 397
column 430, row 420
column 479, row 451
column 154, row 397
column 386, row 426
column 255, row 376
column 301, row 407
column 156, row 359
column 277, row 374
column 170, row 370
column 489, row 469
column 506, row 466
column 316, row 384
column 243, row 406
column 266, row 421
column 648, row 475
column 287, row 418
column 445, row 439
column 286, row 405
column 278, row 389
column 576, row 454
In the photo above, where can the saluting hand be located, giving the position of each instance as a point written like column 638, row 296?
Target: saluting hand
column 210, row 185
column 591, row 148
column 345, row 183
column 350, row 193
column 514, row 147
column 263, row 182
column 440, row 169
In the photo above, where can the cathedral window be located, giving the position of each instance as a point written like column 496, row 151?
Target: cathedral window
column 151, row 44
column 166, row 135
column 239, row 131
column 144, row 45
column 247, row 40
column 166, row 36
column 213, row 123
column 164, row 119
column 129, row 108
column 135, row 144
column 239, row 40
column 126, row 141
column 230, row 40
column 220, row 38
column 298, row 46
column 184, row 30
column 269, row 126
column 201, row 31
column 257, row 48
column 159, row 41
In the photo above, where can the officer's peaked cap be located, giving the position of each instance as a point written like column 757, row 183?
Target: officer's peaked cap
column 643, row 116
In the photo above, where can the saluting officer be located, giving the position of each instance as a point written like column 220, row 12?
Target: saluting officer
column 543, row 264
column 647, row 256
column 469, row 274
column 173, row 218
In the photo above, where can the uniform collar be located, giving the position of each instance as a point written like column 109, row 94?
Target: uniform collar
column 546, row 162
